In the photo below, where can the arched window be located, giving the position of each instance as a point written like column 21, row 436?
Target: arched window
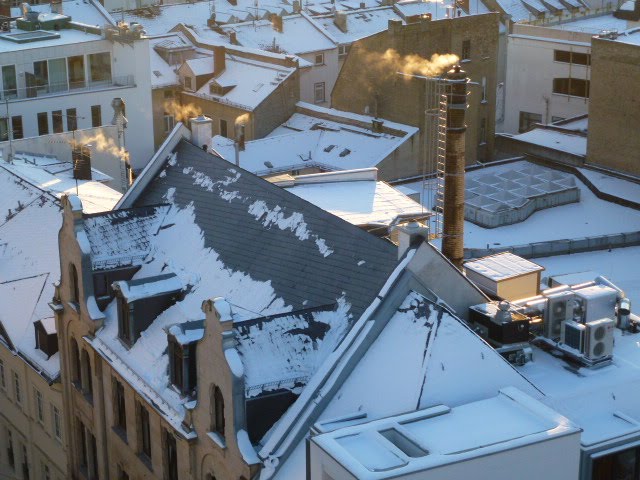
column 75, row 362
column 74, row 288
column 87, row 380
column 217, row 411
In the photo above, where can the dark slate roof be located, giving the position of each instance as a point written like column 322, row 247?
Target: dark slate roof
column 273, row 245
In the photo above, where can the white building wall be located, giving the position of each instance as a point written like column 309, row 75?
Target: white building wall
column 326, row 73
column 126, row 60
column 529, row 77
column 554, row 459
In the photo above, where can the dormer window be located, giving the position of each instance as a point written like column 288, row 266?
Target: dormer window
column 182, row 341
column 46, row 336
column 188, row 83
column 140, row 301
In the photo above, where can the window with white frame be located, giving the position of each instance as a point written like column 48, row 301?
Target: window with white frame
column 319, row 60
column 56, row 420
column 169, row 122
column 343, row 50
column 318, row 92
column 187, row 83
column 39, row 405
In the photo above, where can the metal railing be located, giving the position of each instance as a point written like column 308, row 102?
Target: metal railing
column 49, row 89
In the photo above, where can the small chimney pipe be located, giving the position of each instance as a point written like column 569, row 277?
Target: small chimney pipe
column 219, row 59
column 453, row 215
column 239, row 143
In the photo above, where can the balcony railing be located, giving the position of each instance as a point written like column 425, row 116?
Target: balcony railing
column 48, row 89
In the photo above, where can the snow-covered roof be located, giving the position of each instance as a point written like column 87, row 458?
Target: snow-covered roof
column 251, row 81
column 601, row 401
column 299, row 35
column 122, row 237
column 356, row 196
column 133, row 290
column 269, row 253
column 563, row 141
column 284, row 351
column 441, row 435
column 437, row 9
column 88, row 12
column 307, row 140
column 594, row 24
column 502, row 266
column 632, row 37
column 29, row 259
column 589, row 217
column 59, row 38
column 159, row 19
column 360, row 23
column 55, row 176
column 523, row 10
column 164, row 74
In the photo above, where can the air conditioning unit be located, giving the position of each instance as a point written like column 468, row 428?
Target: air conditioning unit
column 573, row 335
column 559, row 308
column 599, row 338
column 598, row 301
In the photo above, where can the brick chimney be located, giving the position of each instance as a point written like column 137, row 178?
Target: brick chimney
column 453, row 215
column 81, row 158
column 340, row 21
column 5, row 8
column 276, row 21
column 219, row 59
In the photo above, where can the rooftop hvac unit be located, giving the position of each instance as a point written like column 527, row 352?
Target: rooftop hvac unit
column 599, row 338
column 594, row 340
column 597, row 302
column 559, row 308
column 573, row 335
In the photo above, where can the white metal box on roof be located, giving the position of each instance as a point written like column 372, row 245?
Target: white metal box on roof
column 505, row 275
column 500, row 438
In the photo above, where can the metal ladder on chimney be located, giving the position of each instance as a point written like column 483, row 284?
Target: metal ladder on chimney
column 440, row 158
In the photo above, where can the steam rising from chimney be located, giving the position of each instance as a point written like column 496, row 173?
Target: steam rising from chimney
column 390, row 62
column 414, row 64
column 101, row 143
column 181, row 113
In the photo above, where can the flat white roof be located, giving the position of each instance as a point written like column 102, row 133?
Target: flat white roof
column 562, row 141
column 502, row 266
column 441, row 435
column 358, row 201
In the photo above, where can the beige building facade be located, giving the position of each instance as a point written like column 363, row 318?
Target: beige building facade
column 614, row 112
column 369, row 83
column 31, row 422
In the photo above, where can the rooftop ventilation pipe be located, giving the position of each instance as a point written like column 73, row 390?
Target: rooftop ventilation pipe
column 239, row 143
column 453, row 215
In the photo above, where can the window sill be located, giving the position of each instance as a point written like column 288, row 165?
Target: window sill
column 465, row 60
column 483, row 102
column 121, row 433
column 217, row 439
column 146, row 461
column 74, row 306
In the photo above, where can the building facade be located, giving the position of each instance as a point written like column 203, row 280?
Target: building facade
column 67, row 79
column 548, row 76
column 369, row 84
column 614, row 117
